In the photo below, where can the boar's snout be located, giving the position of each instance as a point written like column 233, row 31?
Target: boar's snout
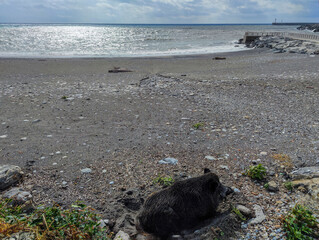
column 225, row 191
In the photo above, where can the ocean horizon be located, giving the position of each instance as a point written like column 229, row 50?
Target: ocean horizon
column 94, row 40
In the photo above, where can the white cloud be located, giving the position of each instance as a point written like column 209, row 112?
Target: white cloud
column 161, row 11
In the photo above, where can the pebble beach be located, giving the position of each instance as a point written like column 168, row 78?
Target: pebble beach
column 80, row 132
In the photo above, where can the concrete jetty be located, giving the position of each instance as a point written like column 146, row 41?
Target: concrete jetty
column 251, row 36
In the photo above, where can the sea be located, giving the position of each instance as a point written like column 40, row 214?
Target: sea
column 123, row 40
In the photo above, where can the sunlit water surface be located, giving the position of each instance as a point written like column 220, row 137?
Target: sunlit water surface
column 87, row 40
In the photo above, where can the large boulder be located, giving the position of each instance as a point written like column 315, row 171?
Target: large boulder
column 9, row 175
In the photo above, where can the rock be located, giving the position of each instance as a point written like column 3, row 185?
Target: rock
column 20, row 236
column 272, row 186
column 260, row 216
column 9, row 175
column 211, row 158
column 18, row 195
column 305, row 173
column 3, row 136
column 86, row 170
column 125, row 223
column 263, row 154
column 310, row 186
column 122, row 236
column 244, row 210
column 171, row 161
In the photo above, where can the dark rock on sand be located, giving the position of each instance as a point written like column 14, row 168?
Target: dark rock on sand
column 9, row 175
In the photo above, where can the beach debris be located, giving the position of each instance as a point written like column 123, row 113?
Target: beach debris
column 118, row 70
column 9, row 175
column 3, row 136
column 219, row 58
column 171, row 161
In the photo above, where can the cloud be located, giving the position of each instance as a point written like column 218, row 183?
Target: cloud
column 158, row 11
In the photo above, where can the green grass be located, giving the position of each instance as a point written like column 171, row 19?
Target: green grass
column 198, row 125
column 289, row 186
column 78, row 222
column 238, row 214
column 164, row 181
column 300, row 224
column 258, row 172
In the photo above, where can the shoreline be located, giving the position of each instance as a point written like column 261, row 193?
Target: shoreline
column 129, row 57
column 60, row 116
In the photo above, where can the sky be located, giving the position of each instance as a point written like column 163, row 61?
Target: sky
column 158, row 11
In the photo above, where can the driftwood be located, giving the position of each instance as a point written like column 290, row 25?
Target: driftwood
column 219, row 58
column 118, row 70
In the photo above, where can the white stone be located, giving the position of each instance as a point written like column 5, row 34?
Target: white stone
column 122, row 236
column 86, row 170
column 211, row 158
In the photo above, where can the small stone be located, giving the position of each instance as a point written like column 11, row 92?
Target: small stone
column 236, row 190
column 23, row 138
column 49, row 136
column 263, row 154
column 211, row 158
column 54, row 164
column 111, row 183
column 244, row 210
column 36, row 121
column 3, row 136
column 86, row 170
column 272, row 186
column 104, row 171
column 171, row 161
column 224, row 167
column 122, row 236
column 104, row 222
column 64, row 183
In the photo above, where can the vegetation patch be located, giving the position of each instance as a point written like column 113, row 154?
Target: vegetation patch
column 198, row 125
column 257, row 172
column 164, row 181
column 284, row 160
column 238, row 214
column 300, row 224
column 78, row 222
column 289, row 185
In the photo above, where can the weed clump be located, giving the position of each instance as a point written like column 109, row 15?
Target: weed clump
column 300, row 224
column 78, row 222
column 258, row 172
column 284, row 160
column 164, row 181
column 289, row 185
column 238, row 214
column 198, row 125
